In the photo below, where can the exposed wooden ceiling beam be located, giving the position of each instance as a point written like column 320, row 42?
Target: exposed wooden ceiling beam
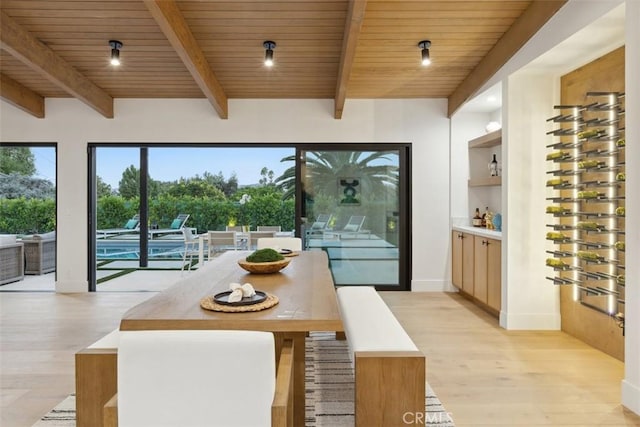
column 21, row 97
column 534, row 17
column 170, row 20
column 35, row 54
column 352, row 28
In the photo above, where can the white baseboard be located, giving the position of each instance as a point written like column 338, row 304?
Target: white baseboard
column 65, row 286
column 432, row 286
column 631, row 396
column 530, row 321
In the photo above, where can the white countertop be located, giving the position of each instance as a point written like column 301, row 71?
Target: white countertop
column 479, row 231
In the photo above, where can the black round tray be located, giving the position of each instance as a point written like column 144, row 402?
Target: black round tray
column 223, row 298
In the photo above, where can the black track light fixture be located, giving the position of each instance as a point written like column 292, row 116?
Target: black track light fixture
column 268, row 55
column 425, row 45
column 115, row 52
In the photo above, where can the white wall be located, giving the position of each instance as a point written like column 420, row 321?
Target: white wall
column 72, row 124
column 529, row 300
column 464, row 127
column 631, row 382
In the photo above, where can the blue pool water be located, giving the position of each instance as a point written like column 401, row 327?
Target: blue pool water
column 117, row 249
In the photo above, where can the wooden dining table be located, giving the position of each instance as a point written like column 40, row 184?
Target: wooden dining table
column 307, row 302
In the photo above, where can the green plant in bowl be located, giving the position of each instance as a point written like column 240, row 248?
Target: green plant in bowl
column 265, row 255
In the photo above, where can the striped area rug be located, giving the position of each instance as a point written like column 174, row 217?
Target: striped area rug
column 329, row 385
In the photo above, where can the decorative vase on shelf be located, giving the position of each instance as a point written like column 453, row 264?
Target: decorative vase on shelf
column 497, row 222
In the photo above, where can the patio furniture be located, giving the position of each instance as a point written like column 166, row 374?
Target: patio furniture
column 191, row 247
column 321, row 223
column 222, row 241
column 291, row 243
column 176, row 227
column 353, row 227
column 253, row 236
column 276, row 228
column 317, row 228
column 131, row 226
column 192, row 378
column 11, row 259
column 40, row 253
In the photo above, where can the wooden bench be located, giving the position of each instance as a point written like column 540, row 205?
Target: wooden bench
column 98, row 361
column 389, row 369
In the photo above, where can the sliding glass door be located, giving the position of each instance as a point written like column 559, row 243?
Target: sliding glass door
column 144, row 195
column 349, row 200
column 355, row 208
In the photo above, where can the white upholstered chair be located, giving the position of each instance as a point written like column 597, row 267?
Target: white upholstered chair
column 292, row 243
column 192, row 378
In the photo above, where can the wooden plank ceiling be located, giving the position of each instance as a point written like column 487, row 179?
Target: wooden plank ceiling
column 325, row 49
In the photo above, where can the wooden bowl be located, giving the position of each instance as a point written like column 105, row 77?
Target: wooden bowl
column 264, row 267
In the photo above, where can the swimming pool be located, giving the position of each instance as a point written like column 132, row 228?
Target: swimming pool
column 121, row 249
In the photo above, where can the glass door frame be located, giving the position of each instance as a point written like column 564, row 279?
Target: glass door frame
column 53, row 145
column 404, row 192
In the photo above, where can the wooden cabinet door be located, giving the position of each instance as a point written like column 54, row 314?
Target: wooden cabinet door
column 456, row 259
column 467, row 263
column 480, row 268
column 494, row 274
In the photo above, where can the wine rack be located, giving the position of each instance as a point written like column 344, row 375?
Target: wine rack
column 587, row 176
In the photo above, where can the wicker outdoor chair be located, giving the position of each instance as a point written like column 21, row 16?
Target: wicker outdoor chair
column 40, row 253
column 11, row 259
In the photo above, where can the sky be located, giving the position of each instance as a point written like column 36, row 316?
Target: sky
column 45, row 162
column 170, row 164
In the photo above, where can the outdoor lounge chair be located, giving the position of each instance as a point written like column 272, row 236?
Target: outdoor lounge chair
column 176, row 227
column 131, row 226
column 321, row 223
column 353, row 227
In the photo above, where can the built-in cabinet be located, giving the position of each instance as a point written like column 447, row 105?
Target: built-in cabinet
column 476, row 268
column 487, row 274
column 462, row 261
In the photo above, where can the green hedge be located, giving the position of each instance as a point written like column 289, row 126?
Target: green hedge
column 27, row 216
column 205, row 214
column 21, row 216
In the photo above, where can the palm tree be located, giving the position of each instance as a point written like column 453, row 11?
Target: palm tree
column 377, row 172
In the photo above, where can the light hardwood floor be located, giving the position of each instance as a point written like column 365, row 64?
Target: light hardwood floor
column 484, row 375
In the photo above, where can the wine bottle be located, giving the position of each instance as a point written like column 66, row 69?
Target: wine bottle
column 493, row 166
column 477, row 219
